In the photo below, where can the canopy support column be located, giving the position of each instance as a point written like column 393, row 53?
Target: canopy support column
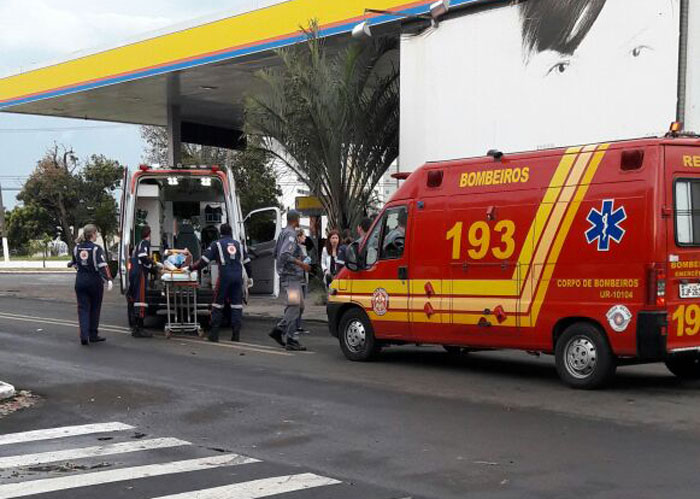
column 174, row 136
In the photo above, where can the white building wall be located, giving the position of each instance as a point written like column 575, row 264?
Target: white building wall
column 692, row 111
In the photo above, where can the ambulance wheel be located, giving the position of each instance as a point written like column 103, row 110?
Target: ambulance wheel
column 684, row 365
column 357, row 336
column 583, row 357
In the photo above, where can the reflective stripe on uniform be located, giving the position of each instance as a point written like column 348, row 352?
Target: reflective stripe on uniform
column 206, row 260
column 94, row 256
column 140, row 304
column 247, row 260
column 216, row 305
column 221, row 254
column 142, row 254
column 102, row 265
column 237, row 307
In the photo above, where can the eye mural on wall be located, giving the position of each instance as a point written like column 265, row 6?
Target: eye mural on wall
column 557, row 25
column 551, row 73
column 556, row 28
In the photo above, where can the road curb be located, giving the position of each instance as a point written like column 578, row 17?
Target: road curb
column 35, row 271
column 6, row 390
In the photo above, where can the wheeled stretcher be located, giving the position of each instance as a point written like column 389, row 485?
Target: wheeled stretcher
column 180, row 290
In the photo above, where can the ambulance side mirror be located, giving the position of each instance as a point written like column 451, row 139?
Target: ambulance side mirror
column 352, row 257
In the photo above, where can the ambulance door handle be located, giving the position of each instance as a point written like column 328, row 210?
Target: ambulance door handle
column 403, row 273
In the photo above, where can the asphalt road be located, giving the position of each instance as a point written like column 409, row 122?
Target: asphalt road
column 417, row 423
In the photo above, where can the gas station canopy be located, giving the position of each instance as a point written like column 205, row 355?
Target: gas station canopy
column 205, row 70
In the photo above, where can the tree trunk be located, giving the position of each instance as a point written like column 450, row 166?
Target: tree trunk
column 65, row 225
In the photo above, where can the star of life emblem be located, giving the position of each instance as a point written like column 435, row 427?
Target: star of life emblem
column 84, row 255
column 231, row 248
column 380, row 301
column 605, row 225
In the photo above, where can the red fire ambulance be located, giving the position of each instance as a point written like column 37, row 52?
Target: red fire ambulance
column 590, row 253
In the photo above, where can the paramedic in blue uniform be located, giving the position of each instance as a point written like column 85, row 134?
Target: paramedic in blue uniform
column 231, row 257
column 141, row 266
column 93, row 273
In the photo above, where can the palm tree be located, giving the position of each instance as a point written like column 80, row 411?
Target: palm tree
column 333, row 119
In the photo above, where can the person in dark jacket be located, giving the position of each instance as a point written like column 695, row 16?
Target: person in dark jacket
column 93, row 272
column 231, row 257
column 141, row 266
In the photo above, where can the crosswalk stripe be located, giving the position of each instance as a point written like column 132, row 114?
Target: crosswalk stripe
column 255, row 489
column 84, row 452
column 42, row 486
column 65, row 431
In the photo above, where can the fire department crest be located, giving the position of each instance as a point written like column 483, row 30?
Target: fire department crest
column 231, row 249
column 380, row 301
column 605, row 224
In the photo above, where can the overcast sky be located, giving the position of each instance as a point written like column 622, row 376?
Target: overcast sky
column 36, row 31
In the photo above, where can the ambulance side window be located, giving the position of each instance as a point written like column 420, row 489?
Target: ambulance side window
column 687, row 212
column 394, row 233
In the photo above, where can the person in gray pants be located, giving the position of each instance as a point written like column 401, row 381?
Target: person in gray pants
column 291, row 272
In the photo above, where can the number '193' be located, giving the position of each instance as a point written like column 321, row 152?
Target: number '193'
column 687, row 319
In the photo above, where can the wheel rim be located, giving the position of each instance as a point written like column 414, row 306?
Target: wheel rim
column 581, row 357
column 355, row 336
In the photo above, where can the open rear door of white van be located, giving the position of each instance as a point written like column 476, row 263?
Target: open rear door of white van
column 262, row 227
column 124, row 232
column 258, row 232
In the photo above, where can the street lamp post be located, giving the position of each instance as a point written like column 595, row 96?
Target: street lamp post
column 3, row 232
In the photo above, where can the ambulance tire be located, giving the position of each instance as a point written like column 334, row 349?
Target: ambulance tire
column 454, row 350
column 684, row 365
column 583, row 357
column 356, row 336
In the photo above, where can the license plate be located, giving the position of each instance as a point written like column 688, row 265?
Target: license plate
column 691, row 290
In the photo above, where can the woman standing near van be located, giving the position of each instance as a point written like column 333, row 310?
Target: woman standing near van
column 329, row 257
column 93, row 272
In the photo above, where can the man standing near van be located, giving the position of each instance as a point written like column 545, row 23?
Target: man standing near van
column 141, row 265
column 230, row 256
column 291, row 271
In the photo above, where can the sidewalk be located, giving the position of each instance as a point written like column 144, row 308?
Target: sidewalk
column 30, row 266
column 269, row 308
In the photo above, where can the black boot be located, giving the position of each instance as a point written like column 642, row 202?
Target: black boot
column 213, row 335
column 294, row 345
column 276, row 334
column 236, row 333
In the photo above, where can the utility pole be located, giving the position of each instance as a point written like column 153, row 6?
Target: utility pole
column 3, row 232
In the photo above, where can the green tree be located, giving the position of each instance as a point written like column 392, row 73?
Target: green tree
column 26, row 223
column 252, row 168
column 73, row 195
column 100, row 178
column 333, row 119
